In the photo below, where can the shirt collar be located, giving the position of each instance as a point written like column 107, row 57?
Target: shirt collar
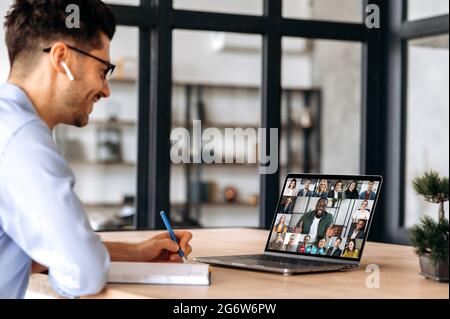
column 14, row 93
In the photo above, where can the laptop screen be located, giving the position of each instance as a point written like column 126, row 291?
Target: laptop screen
column 324, row 216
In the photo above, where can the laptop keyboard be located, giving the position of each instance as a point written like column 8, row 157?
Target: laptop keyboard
column 290, row 261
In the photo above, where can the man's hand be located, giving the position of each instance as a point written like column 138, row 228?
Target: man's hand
column 159, row 248
column 331, row 231
column 162, row 248
column 298, row 229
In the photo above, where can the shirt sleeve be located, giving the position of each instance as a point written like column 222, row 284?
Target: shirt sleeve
column 330, row 219
column 45, row 218
column 299, row 221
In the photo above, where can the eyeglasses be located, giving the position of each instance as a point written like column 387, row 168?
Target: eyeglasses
column 108, row 71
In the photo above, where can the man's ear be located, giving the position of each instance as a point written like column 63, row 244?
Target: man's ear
column 60, row 53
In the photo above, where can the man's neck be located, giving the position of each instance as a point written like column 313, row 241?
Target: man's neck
column 323, row 213
column 39, row 101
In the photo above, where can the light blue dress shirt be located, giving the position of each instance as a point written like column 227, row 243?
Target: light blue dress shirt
column 41, row 218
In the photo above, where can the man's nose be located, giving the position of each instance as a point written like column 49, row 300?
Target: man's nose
column 106, row 91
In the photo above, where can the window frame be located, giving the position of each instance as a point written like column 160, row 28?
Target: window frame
column 396, row 34
column 383, row 108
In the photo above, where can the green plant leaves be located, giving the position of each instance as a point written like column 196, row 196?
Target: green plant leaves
column 431, row 238
column 432, row 187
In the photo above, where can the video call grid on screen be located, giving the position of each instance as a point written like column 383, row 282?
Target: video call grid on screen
column 324, row 215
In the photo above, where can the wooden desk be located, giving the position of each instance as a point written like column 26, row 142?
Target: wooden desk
column 399, row 273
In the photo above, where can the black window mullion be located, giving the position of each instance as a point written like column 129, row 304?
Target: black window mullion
column 158, row 138
column 425, row 28
column 143, row 181
column 134, row 16
column 271, row 106
column 373, row 114
column 396, row 88
column 324, row 30
column 144, row 70
column 211, row 21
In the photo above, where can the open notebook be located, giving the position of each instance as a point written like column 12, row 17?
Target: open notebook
column 159, row 273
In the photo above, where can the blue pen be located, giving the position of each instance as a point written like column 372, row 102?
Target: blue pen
column 172, row 234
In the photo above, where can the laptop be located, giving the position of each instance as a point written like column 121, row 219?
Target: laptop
column 321, row 224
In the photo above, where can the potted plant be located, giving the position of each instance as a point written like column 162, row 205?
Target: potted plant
column 431, row 237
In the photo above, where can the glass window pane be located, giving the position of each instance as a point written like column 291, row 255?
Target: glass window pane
column 321, row 106
column 103, row 154
column 427, row 123
column 216, row 80
column 251, row 7
column 331, row 10
column 419, row 9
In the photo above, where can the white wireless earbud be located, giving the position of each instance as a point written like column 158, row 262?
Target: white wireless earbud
column 66, row 68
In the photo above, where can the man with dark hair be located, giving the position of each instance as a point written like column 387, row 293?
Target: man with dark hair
column 47, row 56
column 306, row 192
column 305, row 247
column 277, row 242
column 317, row 223
column 335, row 251
column 369, row 194
column 292, row 244
column 57, row 75
column 358, row 232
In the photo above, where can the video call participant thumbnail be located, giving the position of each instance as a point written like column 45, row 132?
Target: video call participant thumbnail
column 291, row 190
column 305, row 245
column 369, row 194
column 321, row 250
column 337, row 192
column 358, row 232
column 306, row 191
column 277, row 242
column 350, row 250
column 322, row 189
column 292, row 243
column 286, row 205
column 352, row 192
column 317, row 223
column 362, row 213
column 335, row 251
column 281, row 226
